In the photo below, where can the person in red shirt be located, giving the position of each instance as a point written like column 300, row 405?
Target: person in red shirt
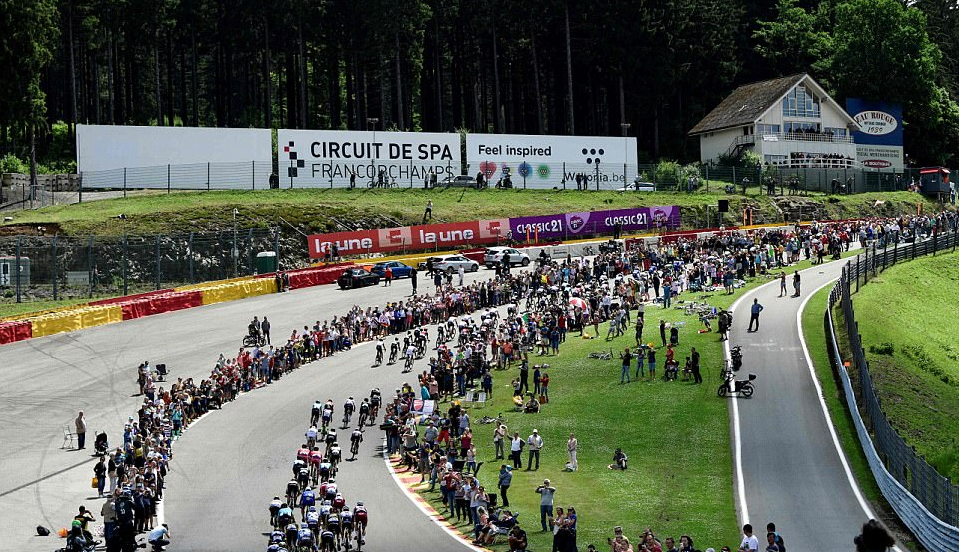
column 388, row 277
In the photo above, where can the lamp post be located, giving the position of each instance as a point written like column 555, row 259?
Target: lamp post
column 625, row 127
column 236, row 252
column 597, row 174
column 371, row 121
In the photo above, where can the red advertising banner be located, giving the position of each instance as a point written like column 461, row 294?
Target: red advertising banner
column 426, row 236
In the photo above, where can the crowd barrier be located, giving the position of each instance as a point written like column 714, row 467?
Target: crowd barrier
column 165, row 302
column 15, row 331
column 128, row 298
column 76, row 319
column 238, row 290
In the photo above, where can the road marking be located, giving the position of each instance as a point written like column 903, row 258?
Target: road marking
column 428, row 510
column 737, row 440
column 825, row 410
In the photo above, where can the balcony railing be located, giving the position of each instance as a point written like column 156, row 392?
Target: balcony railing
column 806, row 137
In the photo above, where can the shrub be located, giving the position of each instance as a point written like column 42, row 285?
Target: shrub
column 884, row 348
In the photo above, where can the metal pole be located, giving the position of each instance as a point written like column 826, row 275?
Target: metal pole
column 19, row 239
column 168, row 178
column 125, row 262
column 124, row 181
column 56, row 295
column 90, row 266
column 253, row 174
column 235, row 251
column 189, row 247
column 80, row 199
column 208, row 177
column 158, row 261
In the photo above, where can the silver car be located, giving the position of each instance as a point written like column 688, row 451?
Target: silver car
column 494, row 256
column 451, row 263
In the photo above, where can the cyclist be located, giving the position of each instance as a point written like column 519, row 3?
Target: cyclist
column 329, row 439
column 316, row 458
column 327, row 413
column 311, row 434
column 336, row 454
column 275, row 505
column 324, row 470
column 361, row 517
column 307, row 499
column 355, row 439
column 292, row 491
column 394, row 350
column 303, row 478
column 440, row 338
column 349, row 407
column 298, row 465
column 327, row 540
column 333, row 526
column 364, row 412
column 346, row 521
column 292, row 532
column 380, row 346
column 375, row 400
column 303, row 453
column 338, row 502
column 277, row 537
column 304, row 539
column 410, row 354
column 313, row 521
column 325, row 508
column 330, row 490
column 315, row 412
column 284, row 516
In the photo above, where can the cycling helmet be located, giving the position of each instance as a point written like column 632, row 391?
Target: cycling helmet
column 305, row 525
column 331, row 480
column 276, row 498
column 359, row 503
column 76, row 523
column 307, row 488
column 312, row 509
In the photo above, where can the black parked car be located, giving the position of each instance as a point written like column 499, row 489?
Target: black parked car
column 357, row 277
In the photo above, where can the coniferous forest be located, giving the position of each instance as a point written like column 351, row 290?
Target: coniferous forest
column 545, row 66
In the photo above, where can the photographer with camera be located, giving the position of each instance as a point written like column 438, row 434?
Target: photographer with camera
column 619, row 542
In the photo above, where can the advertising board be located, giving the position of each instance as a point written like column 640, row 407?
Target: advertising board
column 334, row 158
column 880, row 135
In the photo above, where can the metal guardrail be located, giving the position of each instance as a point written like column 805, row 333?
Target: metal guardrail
column 925, row 501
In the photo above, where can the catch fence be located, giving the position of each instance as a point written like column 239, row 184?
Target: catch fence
column 58, row 267
column 926, row 501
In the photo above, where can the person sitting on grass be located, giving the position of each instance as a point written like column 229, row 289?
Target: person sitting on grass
column 517, row 539
column 532, row 405
column 485, row 527
column 619, row 460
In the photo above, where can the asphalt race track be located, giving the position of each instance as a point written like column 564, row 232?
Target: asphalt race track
column 47, row 380
column 792, row 472
column 230, row 464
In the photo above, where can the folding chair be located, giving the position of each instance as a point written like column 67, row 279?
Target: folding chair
column 67, row 438
column 481, row 398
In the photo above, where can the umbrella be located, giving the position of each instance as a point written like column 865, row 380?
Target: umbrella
column 579, row 303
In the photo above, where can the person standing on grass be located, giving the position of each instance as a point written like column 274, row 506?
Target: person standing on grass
column 515, row 449
column 639, row 329
column 535, row 443
column 81, row 427
column 651, row 361
column 662, row 331
column 505, row 479
column 428, row 214
column 754, row 311
column 546, row 492
column 697, row 377
column 640, row 360
column 627, row 361
column 571, row 445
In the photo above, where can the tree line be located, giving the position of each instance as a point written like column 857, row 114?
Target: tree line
column 645, row 68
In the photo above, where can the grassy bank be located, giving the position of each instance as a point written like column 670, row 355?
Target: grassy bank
column 903, row 317
column 342, row 209
column 676, row 435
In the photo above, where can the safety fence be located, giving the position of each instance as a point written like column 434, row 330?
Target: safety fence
column 626, row 177
column 927, row 502
column 58, row 267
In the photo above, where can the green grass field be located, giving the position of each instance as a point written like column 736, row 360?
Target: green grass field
column 904, row 318
column 676, row 435
column 328, row 210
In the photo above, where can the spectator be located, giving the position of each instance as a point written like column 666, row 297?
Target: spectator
column 874, row 538
column 81, row 428
column 505, row 479
column 535, row 443
column 571, row 446
column 750, row 543
column 546, row 492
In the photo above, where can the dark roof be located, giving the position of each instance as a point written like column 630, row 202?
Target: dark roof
column 746, row 104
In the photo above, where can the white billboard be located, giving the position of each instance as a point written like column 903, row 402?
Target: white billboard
column 106, row 147
column 328, row 158
column 547, row 161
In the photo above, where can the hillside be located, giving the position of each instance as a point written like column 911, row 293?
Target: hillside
column 312, row 211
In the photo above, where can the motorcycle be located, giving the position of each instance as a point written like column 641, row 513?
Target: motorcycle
column 611, row 246
column 253, row 340
column 732, row 385
column 736, row 355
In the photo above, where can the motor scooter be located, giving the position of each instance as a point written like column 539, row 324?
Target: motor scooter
column 732, row 385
